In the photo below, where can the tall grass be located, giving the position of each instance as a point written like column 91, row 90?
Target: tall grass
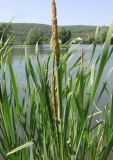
column 54, row 119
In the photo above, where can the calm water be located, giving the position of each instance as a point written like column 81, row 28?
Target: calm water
column 18, row 61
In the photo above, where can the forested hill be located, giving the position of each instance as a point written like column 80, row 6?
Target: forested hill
column 81, row 30
column 20, row 30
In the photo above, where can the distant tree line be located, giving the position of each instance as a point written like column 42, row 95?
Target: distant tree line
column 101, row 36
column 36, row 34
column 65, row 35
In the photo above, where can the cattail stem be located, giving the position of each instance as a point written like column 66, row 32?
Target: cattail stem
column 82, row 56
column 56, row 61
column 56, row 57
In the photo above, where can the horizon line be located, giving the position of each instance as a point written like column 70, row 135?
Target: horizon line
column 58, row 25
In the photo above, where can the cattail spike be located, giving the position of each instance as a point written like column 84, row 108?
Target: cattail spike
column 55, row 43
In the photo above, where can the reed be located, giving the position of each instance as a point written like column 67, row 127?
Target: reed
column 56, row 57
column 56, row 77
column 57, row 117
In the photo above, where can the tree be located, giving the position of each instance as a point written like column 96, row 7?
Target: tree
column 102, row 35
column 90, row 38
column 5, row 31
column 34, row 36
column 64, row 34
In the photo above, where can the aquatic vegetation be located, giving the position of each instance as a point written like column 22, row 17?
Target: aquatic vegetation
column 57, row 117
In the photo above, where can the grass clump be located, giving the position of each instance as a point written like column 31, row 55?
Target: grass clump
column 53, row 120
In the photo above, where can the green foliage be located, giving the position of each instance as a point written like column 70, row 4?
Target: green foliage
column 6, row 41
column 5, row 31
column 34, row 36
column 21, row 30
column 103, row 34
column 28, row 144
column 64, row 34
column 90, row 38
column 28, row 128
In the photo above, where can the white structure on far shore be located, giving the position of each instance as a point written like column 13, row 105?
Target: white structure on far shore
column 77, row 40
column 60, row 41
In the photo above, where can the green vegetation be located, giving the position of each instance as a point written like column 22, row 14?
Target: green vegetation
column 64, row 35
column 101, row 37
column 34, row 36
column 103, row 34
column 5, row 32
column 21, row 32
column 57, row 117
column 30, row 125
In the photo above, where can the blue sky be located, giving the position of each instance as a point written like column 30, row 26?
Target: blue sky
column 70, row 12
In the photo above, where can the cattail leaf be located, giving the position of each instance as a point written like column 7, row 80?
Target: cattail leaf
column 105, row 51
column 26, row 145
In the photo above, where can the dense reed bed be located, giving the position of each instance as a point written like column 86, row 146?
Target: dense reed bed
column 57, row 117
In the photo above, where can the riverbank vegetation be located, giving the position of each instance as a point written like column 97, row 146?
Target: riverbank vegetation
column 54, row 115
column 22, row 33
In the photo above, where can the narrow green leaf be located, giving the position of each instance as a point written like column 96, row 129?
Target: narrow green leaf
column 26, row 145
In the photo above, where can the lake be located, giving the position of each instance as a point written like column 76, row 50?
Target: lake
column 18, row 62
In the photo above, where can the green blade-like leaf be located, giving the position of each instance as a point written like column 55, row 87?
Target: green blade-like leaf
column 26, row 145
column 105, row 51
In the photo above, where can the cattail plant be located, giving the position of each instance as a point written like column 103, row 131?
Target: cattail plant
column 56, row 56
column 34, row 128
column 56, row 77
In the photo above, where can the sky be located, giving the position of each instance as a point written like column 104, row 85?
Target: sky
column 69, row 12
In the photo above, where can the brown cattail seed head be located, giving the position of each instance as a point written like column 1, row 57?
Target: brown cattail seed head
column 55, row 44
